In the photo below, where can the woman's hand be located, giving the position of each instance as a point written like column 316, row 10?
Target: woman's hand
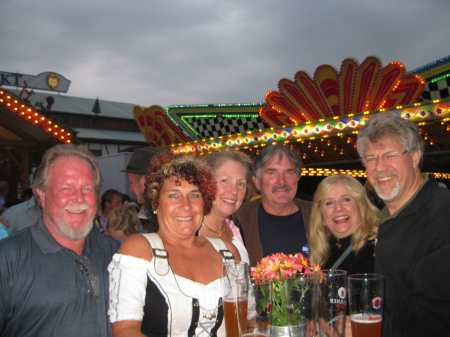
column 348, row 326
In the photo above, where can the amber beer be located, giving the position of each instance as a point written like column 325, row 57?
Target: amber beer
column 230, row 314
column 366, row 326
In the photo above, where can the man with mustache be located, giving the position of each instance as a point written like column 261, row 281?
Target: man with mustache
column 413, row 244
column 53, row 275
column 277, row 222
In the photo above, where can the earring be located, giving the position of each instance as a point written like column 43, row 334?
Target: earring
column 154, row 212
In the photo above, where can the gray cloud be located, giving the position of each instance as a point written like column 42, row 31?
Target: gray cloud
column 197, row 52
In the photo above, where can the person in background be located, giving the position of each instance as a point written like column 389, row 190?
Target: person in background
column 123, row 222
column 24, row 214
column 231, row 172
column 27, row 194
column 54, row 279
column 4, row 231
column 111, row 199
column 413, row 241
column 342, row 216
column 276, row 222
column 136, row 169
column 9, row 204
column 4, row 189
column 168, row 283
column 125, row 198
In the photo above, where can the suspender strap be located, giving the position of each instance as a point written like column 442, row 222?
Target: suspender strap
column 195, row 317
column 221, row 248
column 160, row 255
column 219, row 319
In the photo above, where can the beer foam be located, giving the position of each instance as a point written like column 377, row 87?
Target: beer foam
column 359, row 318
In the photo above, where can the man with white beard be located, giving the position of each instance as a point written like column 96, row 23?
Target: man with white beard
column 413, row 243
column 53, row 275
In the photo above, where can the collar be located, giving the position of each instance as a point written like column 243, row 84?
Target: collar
column 343, row 242
column 30, row 204
column 384, row 214
column 48, row 245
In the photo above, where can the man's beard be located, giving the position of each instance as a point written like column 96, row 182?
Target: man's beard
column 394, row 191
column 70, row 233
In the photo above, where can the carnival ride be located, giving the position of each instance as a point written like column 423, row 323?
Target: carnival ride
column 318, row 116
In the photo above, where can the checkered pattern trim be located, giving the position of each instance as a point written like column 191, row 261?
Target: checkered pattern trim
column 219, row 126
column 436, row 90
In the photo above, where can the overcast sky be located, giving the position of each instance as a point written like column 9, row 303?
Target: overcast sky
column 198, row 52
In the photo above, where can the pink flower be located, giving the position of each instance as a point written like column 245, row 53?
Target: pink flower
column 272, row 267
column 290, row 265
column 256, row 272
column 279, row 266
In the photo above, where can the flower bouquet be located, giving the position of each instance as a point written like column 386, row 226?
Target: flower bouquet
column 287, row 274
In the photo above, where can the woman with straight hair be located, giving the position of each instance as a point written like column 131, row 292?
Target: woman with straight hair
column 231, row 172
column 343, row 221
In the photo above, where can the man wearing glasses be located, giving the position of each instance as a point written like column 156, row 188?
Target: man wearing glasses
column 53, row 275
column 413, row 244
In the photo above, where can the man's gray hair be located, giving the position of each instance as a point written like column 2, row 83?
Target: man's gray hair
column 391, row 126
column 64, row 150
column 266, row 155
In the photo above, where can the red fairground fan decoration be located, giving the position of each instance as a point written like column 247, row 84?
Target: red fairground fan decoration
column 355, row 89
column 157, row 128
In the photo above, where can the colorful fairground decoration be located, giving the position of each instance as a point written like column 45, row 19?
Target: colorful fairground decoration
column 320, row 116
column 22, row 110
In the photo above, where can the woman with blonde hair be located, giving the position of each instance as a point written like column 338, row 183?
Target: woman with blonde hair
column 231, row 172
column 343, row 226
column 123, row 222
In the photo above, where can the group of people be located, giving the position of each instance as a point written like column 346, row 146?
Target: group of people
column 60, row 277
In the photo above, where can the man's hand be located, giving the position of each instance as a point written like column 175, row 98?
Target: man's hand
column 4, row 222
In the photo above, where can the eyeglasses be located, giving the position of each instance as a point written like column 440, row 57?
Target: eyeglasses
column 390, row 157
column 86, row 268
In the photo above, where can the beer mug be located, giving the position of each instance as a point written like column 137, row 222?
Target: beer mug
column 366, row 297
column 332, row 303
column 231, row 272
column 254, row 303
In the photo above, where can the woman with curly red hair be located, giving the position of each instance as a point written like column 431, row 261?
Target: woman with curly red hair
column 168, row 283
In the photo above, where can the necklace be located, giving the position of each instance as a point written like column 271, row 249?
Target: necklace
column 338, row 244
column 219, row 233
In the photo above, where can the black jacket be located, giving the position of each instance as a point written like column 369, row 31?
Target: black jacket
column 413, row 254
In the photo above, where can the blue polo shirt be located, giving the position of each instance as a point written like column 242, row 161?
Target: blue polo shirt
column 43, row 292
column 4, row 232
